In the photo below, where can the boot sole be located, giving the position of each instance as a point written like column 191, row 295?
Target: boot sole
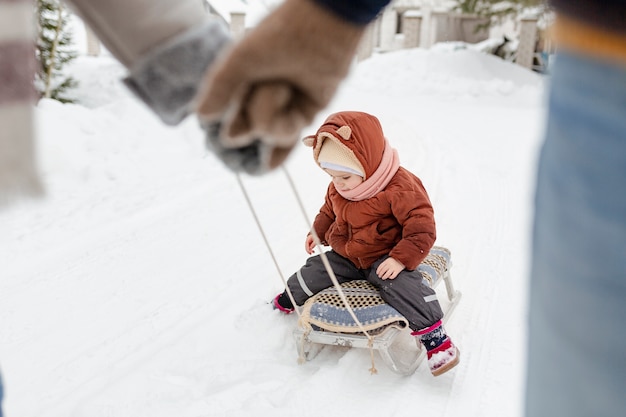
column 445, row 368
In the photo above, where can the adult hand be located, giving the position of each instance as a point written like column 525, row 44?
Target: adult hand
column 272, row 83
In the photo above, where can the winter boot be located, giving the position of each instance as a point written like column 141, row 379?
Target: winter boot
column 443, row 355
column 282, row 303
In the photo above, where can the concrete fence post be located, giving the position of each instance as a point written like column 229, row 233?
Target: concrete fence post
column 412, row 27
column 237, row 24
column 93, row 43
column 366, row 47
column 527, row 42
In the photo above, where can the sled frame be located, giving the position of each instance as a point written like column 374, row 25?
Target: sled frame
column 391, row 343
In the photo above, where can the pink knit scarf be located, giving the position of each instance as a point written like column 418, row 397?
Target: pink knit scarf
column 378, row 181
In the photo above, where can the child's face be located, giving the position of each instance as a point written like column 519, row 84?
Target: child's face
column 344, row 181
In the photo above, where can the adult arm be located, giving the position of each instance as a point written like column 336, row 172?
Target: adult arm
column 166, row 45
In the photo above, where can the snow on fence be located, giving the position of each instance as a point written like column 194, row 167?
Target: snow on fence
column 400, row 28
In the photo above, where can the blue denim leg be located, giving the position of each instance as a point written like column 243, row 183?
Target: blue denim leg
column 1, row 394
column 577, row 337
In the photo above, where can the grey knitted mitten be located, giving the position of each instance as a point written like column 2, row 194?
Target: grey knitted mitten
column 169, row 77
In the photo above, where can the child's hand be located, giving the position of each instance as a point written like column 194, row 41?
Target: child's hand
column 389, row 269
column 309, row 244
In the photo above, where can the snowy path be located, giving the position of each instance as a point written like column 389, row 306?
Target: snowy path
column 139, row 286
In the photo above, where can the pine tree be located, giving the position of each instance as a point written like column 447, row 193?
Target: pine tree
column 54, row 50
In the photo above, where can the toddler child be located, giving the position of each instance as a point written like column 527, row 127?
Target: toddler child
column 379, row 222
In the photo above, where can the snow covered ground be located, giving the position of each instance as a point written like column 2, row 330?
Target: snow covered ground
column 139, row 285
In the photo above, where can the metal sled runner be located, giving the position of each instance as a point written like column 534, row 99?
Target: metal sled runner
column 325, row 320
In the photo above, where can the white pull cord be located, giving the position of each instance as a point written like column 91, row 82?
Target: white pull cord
column 267, row 243
column 323, row 256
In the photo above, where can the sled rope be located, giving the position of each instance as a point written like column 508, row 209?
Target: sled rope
column 323, row 256
column 267, row 243
column 329, row 269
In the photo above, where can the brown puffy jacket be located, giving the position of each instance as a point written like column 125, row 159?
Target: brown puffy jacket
column 398, row 221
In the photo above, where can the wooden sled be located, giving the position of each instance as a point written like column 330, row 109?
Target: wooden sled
column 326, row 321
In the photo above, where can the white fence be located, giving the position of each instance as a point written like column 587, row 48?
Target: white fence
column 400, row 28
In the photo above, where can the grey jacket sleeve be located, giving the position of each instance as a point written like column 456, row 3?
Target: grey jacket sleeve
column 167, row 78
column 166, row 46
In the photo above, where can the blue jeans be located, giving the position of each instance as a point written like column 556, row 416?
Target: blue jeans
column 577, row 335
column 1, row 395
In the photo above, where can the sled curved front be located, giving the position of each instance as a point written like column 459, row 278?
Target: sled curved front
column 326, row 321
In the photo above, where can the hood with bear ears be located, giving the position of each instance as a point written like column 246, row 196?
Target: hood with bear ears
column 359, row 132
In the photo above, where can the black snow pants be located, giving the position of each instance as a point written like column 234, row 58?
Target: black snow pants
column 407, row 293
